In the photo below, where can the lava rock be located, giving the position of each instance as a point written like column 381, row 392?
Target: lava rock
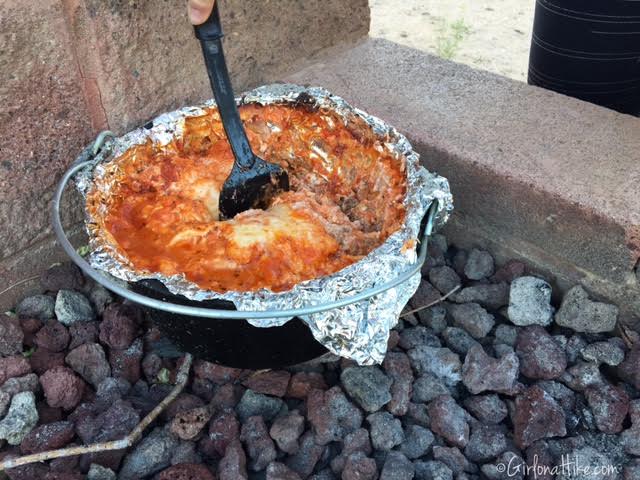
column 440, row 362
column 488, row 295
column 72, row 306
column 305, row 459
column 303, row 382
column 332, row 415
column 98, row 472
column 506, row 334
column 415, row 336
column 509, row 271
column 432, row 470
column 539, row 354
column 368, row 386
column 530, row 302
column 397, row 467
column 62, row 388
column 224, row 429
column 279, row 471
column 610, row 352
column 215, row 373
column 127, row 363
column 485, row 443
column 13, row 366
column 100, row 298
column 586, row 458
column 119, row 326
column 188, row 424
column 20, row 419
column 286, row 430
column 233, row 465
column 398, row 368
column 417, row 414
column 453, row 458
column 479, row 265
column 62, row 276
column 417, row 441
column 386, row 431
column 25, row 383
column 41, row 307
column 580, row 314
column 427, row 387
column 444, row 278
column 425, row 295
column 90, row 362
column 582, row 375
column 357, row 441
column 83, row 332
column 458, row 340
column 489, row 409
column 537, row 415
column 186, row 471
column 48, row 437
column 506, row 467
column 42, row 360
column 185, row 452
column 629, row 370
column 472, row 318
column 270, row 382
column 253, row 403
column 359, row 467
column 53, row 336
column 481, row 372
column 449, row 420
column 260, row 447
column 150, row 456
column 609, row 406
column 434, row 318
column 11, row 335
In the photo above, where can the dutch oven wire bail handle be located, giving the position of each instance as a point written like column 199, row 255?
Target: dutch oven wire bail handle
column 87, row 158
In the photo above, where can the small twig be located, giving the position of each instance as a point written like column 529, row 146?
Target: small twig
column 126, row 442
column 435, row 302
column 21, row 282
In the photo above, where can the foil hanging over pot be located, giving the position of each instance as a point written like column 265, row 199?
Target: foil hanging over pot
column 358, row 331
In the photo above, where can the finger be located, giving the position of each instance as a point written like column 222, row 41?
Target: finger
column 199, row 10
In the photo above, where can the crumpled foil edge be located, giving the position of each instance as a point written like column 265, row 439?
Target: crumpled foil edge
column 358, row 331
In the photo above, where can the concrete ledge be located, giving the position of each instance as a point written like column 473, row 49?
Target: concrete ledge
column 535, row 174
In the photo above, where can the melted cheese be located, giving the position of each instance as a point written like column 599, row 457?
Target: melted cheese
column 162, row 209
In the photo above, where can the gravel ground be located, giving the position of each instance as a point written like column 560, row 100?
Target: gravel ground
column 491, row 381
column 491, row 35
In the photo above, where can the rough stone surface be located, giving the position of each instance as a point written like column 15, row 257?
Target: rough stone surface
column 481, row 372
column 260, row 447
column 444, row 278
column 427, row 387
column 479, row 265
column 610, row 352
column 13, row 366
column 41, row 307
column 20, row 419
column 540, row 355
column 11, row 335
column 485, row 443
column 119, row 326
column 629, row 370
column 579, row 313
column 90, row 362
column 72, row 306
column 417, row 441
column 127, row 363
column 357, row 441
column 332, row 415
column 368, row 386
column 458, row 340
column 397, row 467
column 62, row 388
column 432, row 470
column 488, row 409
column 279, row 471
column 151, row 455
column 537, row 415
column 53, row 336
column 440, row 362
column 272, row 382
column 308, row 455
column 25, row 383
column 530, row 302
column 233, row 465
column 416, row 336
column 98, row 472
column 286, row 430
column 488, row 295
column 48, row 437
column 303, row 382
column 449, row 420
column 386, row 431
column 398, row 368
column 473, row 318
column 360, row 467
column 188, row 424
column 253, row 403
column 186, row 471
column 224, row 428
column 609, row 405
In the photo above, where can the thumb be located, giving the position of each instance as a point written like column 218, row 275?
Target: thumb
column 199, row 10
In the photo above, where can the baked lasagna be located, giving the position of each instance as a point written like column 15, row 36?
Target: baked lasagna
column 161, row 209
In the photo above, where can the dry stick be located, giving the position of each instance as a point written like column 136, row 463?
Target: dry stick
column 126, row 442
column 435, row 302
column 17, row 284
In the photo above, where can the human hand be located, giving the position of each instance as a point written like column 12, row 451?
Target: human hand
column 199, row 10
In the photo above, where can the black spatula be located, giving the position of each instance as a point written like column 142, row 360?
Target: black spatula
column 252, row 181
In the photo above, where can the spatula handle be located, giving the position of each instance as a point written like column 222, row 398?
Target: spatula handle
column 210, row 35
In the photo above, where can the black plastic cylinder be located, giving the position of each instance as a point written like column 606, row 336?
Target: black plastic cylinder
column 588, row 49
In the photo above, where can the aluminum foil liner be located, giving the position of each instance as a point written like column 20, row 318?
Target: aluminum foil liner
column 358, row 331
